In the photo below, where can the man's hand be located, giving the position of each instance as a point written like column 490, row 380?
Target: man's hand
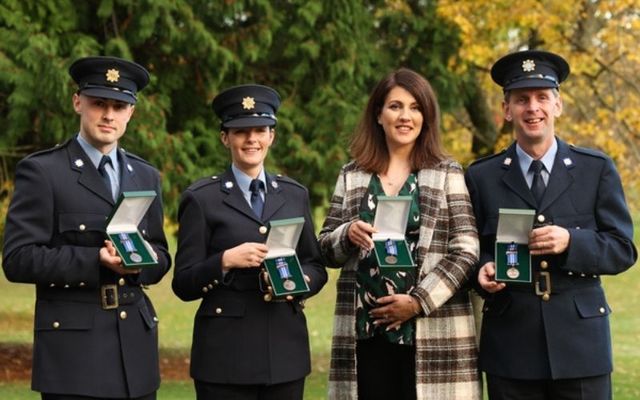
column 550, row 239
column 487, row 278
column 110, row 259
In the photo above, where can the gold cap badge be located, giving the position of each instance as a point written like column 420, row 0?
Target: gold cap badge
column 248, row 103
column 528, row 65
column 113, row 75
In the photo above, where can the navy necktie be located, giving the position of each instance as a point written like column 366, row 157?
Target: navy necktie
column 257, row 204
column 105, row 175
column 537, row 186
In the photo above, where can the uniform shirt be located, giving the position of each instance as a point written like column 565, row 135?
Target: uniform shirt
column 525, row 163
column 243, row 180
column 113, row 170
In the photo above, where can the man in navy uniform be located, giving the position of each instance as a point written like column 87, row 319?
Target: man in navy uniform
column 549, row 339
column 96, row 331
column 247, row 345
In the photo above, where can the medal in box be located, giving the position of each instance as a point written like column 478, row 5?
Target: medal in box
column 282, row 262
column 512, row 257
column 390, row 246
column 122, row 228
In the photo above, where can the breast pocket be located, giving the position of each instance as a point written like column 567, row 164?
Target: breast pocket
column 63, row 316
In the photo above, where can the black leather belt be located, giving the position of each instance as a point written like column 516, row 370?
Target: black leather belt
column 545, row 282
column 108, row 296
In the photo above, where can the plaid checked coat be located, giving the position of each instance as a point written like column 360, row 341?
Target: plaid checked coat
column 446, row 353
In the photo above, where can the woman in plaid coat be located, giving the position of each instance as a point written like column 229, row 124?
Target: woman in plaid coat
column 402, row 333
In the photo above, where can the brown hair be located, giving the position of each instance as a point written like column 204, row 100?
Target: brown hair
column 368, row 145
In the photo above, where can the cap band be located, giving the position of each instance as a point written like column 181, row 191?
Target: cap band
column 91, row 86
column 243, row 115
column 533, row 76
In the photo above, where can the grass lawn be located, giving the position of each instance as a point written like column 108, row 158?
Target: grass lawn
column 16, row 318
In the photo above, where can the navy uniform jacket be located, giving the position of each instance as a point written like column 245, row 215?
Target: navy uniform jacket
column 523, row 336
column 238, row 338
column 55, row 227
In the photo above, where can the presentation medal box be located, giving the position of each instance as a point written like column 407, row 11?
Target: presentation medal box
column 512, row 257
column 282, row 264
column 122, row 229
column 390, row 246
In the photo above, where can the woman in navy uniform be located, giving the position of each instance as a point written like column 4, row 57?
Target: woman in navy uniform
column 246, row 343
column 96, row 333
column 548, row 339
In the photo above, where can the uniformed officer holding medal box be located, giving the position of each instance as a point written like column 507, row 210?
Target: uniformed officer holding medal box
column 390, row 246
column 122, row 229
column 281, row 263
column 512, row 258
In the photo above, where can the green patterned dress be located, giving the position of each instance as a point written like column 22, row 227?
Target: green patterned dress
column 371, row 282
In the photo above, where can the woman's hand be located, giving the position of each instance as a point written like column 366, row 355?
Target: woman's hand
column 359, row 234
column 394, row 310
column 246, row 255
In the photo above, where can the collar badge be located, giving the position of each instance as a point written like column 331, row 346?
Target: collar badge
column 113, row 75
column 507, row 161
column 274, row 184
column 228, row 184
column 248, row 103
column 528, row 65
column 567, row 161
column 129, row 167
column 79, row 163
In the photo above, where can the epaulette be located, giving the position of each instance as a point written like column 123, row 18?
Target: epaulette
column 286, row 179
column 489, row 157
column 136, row 157
column 588, row 151
column 57, row 147
column 205, row 182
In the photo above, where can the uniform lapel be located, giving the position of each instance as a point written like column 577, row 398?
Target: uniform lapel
column 274, row 198
column 89, row 177
column 513, row 177
column 560, row 178
column 233, row 195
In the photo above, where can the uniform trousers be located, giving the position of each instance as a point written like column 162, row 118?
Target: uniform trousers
column 51, row 396
column 385, row 370
column 590, row 388
column 293, row 390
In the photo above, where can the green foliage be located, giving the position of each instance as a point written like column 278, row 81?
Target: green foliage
column 322, row 56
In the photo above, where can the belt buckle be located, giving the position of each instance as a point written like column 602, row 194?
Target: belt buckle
column 109, row 296
column 547, row 283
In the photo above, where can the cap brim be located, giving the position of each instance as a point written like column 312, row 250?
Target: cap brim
column 109, row 94
column 249, row 122
column 531, row 83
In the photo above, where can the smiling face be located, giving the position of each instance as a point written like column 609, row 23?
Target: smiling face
column 533, row 113
column 249, row 147
column 401, row 119
column 102, row 121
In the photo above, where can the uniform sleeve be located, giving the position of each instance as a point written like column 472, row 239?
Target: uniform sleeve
column 308, row 252
column 156, row 238
column 335, row 245
column 195, row 269
column 606, row 248
column 453, row 270
column 29, row 254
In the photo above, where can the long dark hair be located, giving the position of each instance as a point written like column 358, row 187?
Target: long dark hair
column 368, row 145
